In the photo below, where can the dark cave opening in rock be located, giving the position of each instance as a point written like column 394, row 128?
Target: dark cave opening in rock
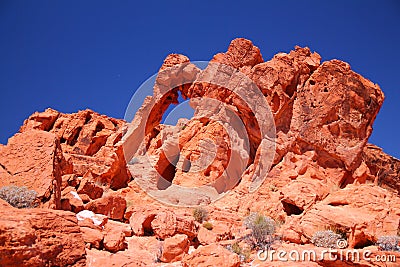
column 167, row 174
column 291, row 209
column 364, row 243
column 148, row 230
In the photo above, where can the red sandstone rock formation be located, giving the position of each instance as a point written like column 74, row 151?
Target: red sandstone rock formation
column 88, row 141
column 323, row 172
column 34, row 159
column 39, row 237
column 174, row 248
column 212, row 255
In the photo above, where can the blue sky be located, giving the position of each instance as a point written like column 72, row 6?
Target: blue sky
column 73, row 55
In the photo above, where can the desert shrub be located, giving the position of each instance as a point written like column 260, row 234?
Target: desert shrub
column 273, row 188
column 262, row 230
column 326, row 239
column 244, row 254
column 18, row 196
column 338, row 230
column 208, row 225
column 236, row 248
column 389, row 243
column 129, row 203
column 200, row 214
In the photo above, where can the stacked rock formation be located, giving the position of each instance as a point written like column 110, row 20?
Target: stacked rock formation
column 323, row 173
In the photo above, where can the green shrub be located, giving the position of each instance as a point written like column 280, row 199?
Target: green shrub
column 200, row 214
column 262, row 230
column 389, row 243
column 326, row 239
column 208, row 225
column 19, row 197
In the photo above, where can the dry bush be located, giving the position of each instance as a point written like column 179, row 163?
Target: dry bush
column 208, row 225
column 326, row 239
column 262, row 230
column 18, row 196
column 389, row 243
column 244, row 254
column 200, row 214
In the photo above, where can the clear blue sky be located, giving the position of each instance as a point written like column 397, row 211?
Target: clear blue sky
column 73, row 55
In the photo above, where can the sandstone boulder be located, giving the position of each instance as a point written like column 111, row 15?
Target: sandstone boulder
column 384, row 168
column 241, row 52
column 162, row 223
column 40, row 237
column 363, row 212
column 166, row 224
column 114, row 240
column 211, row 255
column 112, row 205
column 118, row 226
column 138, row 256
column 88, row 140
column 34, row 159
column 140, row 221
column 174, row 248
column 70, row 200
column 334, row 111
column 92, row 236
column 220, row 231
column 90, row 188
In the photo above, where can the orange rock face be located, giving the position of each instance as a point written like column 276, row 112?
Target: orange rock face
column 354, row 209
column 382, row 168
column 241, row 53
column 163, row 223
column 212, row 255
column 87, row 140
column 286, row 137
column 334, row 111
column 174, row 248
column 112, row 205
column 39, row 237
column 71, row 200
column 34, row 159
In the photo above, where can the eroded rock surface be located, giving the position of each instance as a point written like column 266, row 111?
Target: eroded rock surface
column 321, row 173
column 39, row 237
column 34, row 159
column 88, row 141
